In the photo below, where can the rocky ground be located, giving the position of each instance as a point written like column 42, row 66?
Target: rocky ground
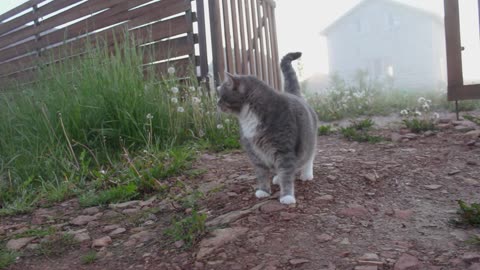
column 370, row 207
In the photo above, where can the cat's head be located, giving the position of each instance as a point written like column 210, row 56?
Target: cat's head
column 232, row 93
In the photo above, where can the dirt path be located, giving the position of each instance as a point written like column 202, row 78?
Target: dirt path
column 370, row 206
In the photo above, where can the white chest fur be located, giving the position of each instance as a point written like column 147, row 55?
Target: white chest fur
column 248, row 122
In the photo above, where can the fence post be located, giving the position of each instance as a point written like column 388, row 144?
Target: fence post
column 217, row 47
column 202, row 40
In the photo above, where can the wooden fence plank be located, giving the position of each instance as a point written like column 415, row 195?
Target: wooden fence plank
column 236, row 43
column 167, row 49
column 262, row 43
column 274, row 66
column 258, row 67
column 202, row 39
column 250, row 51
column 241, row 14
column 453, row 46
column 19, row 9
column 218, row 60
column 269, row 62
column 275, row 46
column 228, row 37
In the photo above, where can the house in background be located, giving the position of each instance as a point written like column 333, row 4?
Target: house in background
column 389, row 40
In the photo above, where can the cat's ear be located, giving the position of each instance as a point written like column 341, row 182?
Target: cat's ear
column 229, row 79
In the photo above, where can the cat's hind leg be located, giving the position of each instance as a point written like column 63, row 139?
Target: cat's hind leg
column 263, row 182
column 306, row 173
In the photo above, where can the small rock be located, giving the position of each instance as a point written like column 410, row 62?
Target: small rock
column 109, row 228
column 354, row 210
column 428, row 133
column 296, row 262
column 396, row 137
column 81, row 237
column 433, row 187
column 444, row 120
column 410, row 136
column 117, row 231
column 272, row 206
column 82, row 220
column 407, row 262
column 366, row 267
column 471, row 257
column 454, row 172
column 33, row 246
column 403, row 214
column 345, row 241
column 141, row 237
column 325, row 198
column 131, row 211
column 102, row 242
column 470, row 181
column 91, row 211
column 17, row 244
column 179, row 244
column 444, row 126
column 471, row 143
column 124, row 205
column 288, row 216
column 462, row 128
column 220, row 237
column 475, row 266
column 473, row 135
column 331, row 178
column 148, row 202
column 370, row 177
column 472, row 163
column 369, row 257
column 322, row 238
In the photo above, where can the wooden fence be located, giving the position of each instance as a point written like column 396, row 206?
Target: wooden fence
column 457, row 90
column 243, row 35
column 247, row 31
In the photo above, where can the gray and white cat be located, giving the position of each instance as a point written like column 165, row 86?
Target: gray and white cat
column 278, row 130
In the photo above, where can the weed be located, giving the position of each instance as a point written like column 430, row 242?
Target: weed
column 473, row 119
column 56, row 245
column 36, row 233
column 7, row 258
column 112, row 195
column 89, row 258
column 419, row 125
column 359, row 131
column 189, row 229
column 469, row 214
column 324, row 130
column 417, row 121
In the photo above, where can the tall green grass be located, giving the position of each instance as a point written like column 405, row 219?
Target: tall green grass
column 87, row 112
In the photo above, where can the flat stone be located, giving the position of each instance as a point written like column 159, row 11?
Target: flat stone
column 17, row 244
column 325, row 198
column 101, row 242
column 288, row 216
column 471, row 143
column 91, row 211
column 117, row 231
column 472, row 182
column 370, row 177
column 220, row 237
column 396, row 137
column 369, row 257
column 475, row 266
column 403, row 214
column 410, row 136
column 462, row 128
column 124, row 205
column 82, row 220
column 345, row 241
column 131, row 211
column 272, row 206
column 366, row 267
column 141, row 237
column 433, row 187
column 407, row 262
column 81, row 237
column 354, row 210
column 109, row 228
column 471, row 257
column 472, row 135
column 444, row 126
column 322, row 238
column 148, row 202
column 179, row 244
column 296, row 262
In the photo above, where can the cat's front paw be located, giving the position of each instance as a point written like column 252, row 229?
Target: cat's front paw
column 275, row 180
column 306, row 177
column 261, row 194
column 288, row 199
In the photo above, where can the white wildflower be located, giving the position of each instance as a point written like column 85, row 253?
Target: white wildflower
column 149, row 116
column 426, row 107
column 220, row 126
column 436, row 115
column 192, row 88
column 227, row 121
column 174, row 100
column 428, row 101
column 421, row 100
column 417, row 113
column 174, row 90
column 171, row 70
column 195, row 100
column 404, row 112
column 102, row 172
column 180, row 109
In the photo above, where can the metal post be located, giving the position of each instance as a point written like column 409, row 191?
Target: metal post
column 456, row 110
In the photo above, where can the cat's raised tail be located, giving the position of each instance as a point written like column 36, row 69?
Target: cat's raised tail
column 291, row 84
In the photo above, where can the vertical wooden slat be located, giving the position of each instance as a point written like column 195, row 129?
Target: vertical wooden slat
column 241, row 14
column 202, row 39
column 453, row 46
column 228, row 37
column 189, row 17
column 236, row 43
column 266, row 26
column 275, row 46
column 258, row 67
column 274, row 59
column 218, row 58
column 262, row 42
column 250, row 52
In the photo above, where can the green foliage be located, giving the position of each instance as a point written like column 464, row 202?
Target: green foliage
column 89, row 258
column 36, row 233
column 112, row 195
column 324, row 130
column 417, row 121
column 7, row 258
column 58, row 132
column 359, row 131
column 57, row 245
column 472, row 118
column 189, row 229
column 469, row 214
column 419, row 125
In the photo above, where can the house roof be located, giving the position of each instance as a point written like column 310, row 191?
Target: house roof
column 338, row 21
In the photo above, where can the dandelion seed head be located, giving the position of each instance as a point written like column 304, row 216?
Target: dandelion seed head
column 196, row 100
column 180, row 109
column 219, row 126
column 171, row 70
column 192, row 88
column 421, row 100
column 174, row 90
column 174, row 100
column 149, row 116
